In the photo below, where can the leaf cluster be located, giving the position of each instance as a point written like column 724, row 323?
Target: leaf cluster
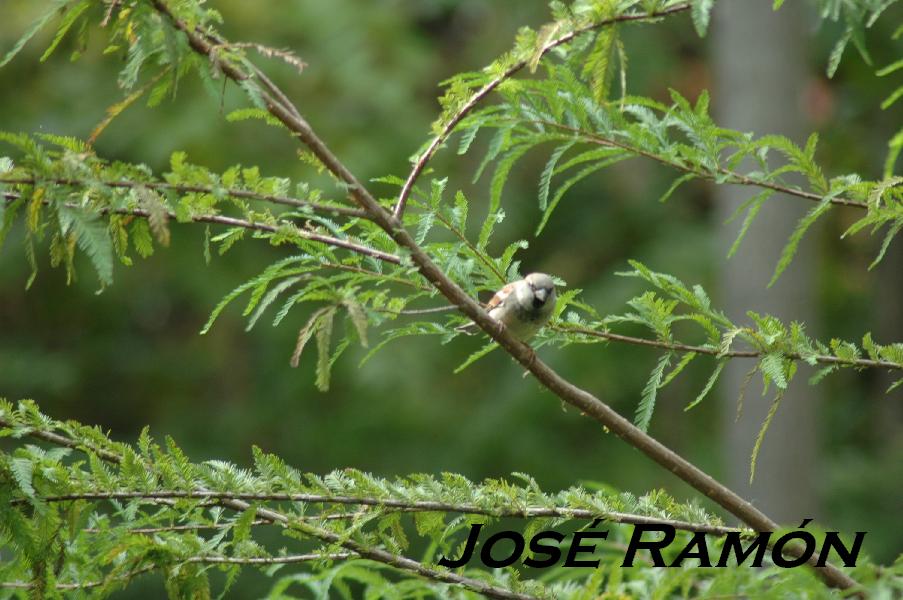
column 586, row 137
column 683, row 321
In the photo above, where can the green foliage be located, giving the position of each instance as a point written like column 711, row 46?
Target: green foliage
column 885, row 208
column 67, row 192
column 134, row 509
column 776, row 347
column 855, row 16
column 75, row 196
column 591, row 136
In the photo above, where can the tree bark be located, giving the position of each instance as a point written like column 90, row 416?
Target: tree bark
column 760, row 70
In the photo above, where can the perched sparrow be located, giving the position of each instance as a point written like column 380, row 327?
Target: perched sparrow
column 523, row 306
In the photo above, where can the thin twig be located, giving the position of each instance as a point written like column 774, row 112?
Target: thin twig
column 271, row 560
column 173, row 528
column 382, row 276
column 251, row 225
column 265, row 81
column 197, row 189
column 487, row 89
column 285, row 56
column 734, row 177
column 418, row 311
column 821, row 358
column 529, row 512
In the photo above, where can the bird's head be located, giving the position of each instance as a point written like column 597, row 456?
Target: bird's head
column 542, row 286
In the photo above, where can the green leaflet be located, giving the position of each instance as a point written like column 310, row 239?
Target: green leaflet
column 258, row 282
column 35, row 27
column 793, row 243
column 674, row 185
column 559, row 194
column 755, row 205
column 418, row 328
column 701, row 12
column 773, row 369
column 761, row 436
column 92, row 237
column 650, row 391
column 597, row 67
column 69, row 19
column 270, row 297
column 709, row 384
column 358, row 317
column 892, row 232
column 545, row 178
column 499, row 177
column 476, row 356
column 684, row 361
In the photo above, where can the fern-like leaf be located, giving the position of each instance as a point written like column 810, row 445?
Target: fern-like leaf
column 761, row 436
column 91, row 236
column 647, row 401
column 793, row 243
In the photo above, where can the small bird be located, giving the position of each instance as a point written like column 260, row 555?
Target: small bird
column 523, row 306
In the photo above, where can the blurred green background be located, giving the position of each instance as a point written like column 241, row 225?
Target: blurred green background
column 132, row 356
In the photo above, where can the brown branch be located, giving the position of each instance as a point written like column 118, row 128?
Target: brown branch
column 198, row 189
column 734, row 177
column 251, row 225
column 487, row 89
column 677, row 347
column 529, row 512
column 524, row 354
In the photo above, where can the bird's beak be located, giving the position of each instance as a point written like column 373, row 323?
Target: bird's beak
column 541, row 295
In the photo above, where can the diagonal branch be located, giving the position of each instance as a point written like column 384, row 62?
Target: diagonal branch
column 524, row 354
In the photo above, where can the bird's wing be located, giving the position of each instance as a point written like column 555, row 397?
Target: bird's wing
column 500, row 297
